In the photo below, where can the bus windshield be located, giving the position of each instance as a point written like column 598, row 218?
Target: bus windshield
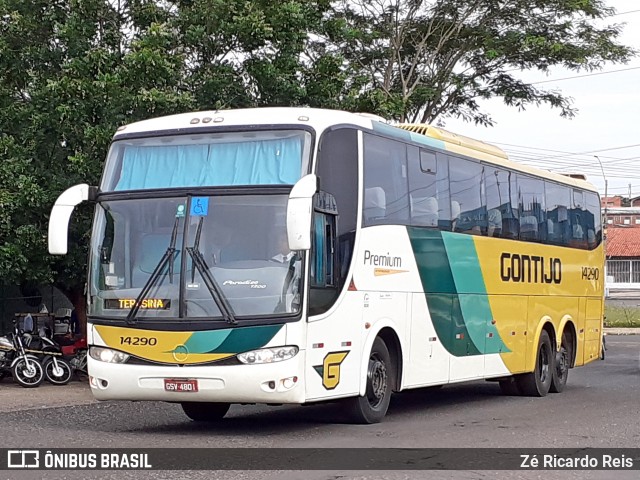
column 217, row 257
column 274, row 157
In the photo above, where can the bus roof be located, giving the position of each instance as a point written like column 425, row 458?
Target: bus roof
column 321, row 119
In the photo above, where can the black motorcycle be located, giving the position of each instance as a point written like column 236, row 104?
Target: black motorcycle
column 57, row 370
column 25, row 367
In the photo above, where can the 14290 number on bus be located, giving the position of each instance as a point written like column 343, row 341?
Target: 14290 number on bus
column 590, row 273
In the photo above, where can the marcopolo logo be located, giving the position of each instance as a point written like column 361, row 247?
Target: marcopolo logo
column 247, row 283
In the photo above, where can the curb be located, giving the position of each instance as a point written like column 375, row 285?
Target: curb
column 622, row 331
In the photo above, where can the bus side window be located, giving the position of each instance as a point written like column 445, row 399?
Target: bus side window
column 375, row 205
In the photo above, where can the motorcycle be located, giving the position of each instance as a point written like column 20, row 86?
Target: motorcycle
column 77, row 355
column 57, row 370
column 24, row 367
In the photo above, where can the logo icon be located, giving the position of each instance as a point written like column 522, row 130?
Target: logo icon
column 330, row 369
column 23, row 459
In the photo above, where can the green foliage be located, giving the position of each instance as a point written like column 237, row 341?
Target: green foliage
column 72, row 71
column 426, row 60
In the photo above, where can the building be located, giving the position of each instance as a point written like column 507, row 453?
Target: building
column 623, row 258
column 626, row 217
column 608, row 202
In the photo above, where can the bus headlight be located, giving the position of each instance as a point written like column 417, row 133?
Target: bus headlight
column 107, row 355
column 268, row 355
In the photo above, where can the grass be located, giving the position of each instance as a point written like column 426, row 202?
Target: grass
column 626, row 316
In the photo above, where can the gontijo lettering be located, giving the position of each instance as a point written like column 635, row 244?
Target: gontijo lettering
column 530, row 268
column 381, row 260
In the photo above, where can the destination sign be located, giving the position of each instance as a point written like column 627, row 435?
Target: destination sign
column 146, row 304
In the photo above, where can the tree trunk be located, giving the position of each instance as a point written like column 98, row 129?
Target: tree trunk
column 77, row 298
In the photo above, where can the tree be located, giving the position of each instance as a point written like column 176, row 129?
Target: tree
column 72, row 71
column 414, row 60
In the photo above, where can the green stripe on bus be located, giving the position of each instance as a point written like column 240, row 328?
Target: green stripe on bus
column 440, row 290
column 231, row 340
column 472, row 292
column 248, row 338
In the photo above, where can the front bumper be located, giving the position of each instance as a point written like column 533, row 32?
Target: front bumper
column 279, row 382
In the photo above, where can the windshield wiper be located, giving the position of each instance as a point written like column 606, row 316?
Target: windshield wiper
column 214, row 288
column 167, row 259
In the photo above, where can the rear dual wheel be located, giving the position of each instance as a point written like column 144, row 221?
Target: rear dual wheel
column 538, row 382
column 563, row 361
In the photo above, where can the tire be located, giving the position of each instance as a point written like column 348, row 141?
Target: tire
column 563, row 363
column 538, row 382
column 509, row 386
column 28, row 376
column 60, row 376
column 205, row 411
column 373, row 405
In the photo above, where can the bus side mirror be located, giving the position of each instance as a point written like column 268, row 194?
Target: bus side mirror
column 299, row 210
column 61, row 213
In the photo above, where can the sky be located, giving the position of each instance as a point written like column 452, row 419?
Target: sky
column 607, row 124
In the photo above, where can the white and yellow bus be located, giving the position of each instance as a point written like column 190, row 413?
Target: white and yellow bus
column 295, row 255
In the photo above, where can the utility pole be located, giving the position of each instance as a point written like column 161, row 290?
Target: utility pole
column 606, row 198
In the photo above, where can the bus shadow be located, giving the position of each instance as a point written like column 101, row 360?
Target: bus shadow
column 266, row 421
column 257, row 420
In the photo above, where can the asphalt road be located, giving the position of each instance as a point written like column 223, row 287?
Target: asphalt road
column 599, row 408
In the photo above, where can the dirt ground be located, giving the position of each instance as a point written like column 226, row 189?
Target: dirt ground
column 13, row 397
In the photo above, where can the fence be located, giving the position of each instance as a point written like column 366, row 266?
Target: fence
column 624, row 273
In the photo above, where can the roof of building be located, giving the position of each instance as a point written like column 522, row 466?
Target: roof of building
column 623, row 242
column 623, row 210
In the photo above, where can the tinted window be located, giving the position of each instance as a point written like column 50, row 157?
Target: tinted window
column 558, row 201
column 386, row 196
column 428, row 189
column 594, row 231
column 338, row 172
column 531, row 208
column 467, row 211
column 578, row 220
column 501, row 203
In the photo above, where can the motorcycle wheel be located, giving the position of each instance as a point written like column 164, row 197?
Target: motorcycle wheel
column 60, row 375
column 28, row 374
column 81, row 366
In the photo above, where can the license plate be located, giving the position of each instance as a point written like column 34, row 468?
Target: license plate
column 180, row 385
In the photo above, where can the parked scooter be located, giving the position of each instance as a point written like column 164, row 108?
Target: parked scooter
column 24, row 367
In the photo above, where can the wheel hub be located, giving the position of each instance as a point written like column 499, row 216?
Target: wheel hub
column 377, row 381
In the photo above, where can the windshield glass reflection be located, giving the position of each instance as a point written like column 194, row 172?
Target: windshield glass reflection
column 198, row 257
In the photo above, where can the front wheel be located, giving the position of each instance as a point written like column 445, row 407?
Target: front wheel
column 58, row 372
column 205, row 411
column 538, row 382
column 373, row 405
column 28, row 372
